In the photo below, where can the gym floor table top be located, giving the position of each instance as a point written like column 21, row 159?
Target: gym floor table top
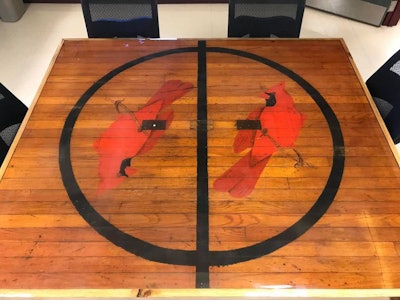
column 201, row 167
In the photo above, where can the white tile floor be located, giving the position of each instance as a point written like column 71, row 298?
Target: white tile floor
column 27, row 46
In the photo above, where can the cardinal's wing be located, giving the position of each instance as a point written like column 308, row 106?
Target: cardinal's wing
column 245, row 138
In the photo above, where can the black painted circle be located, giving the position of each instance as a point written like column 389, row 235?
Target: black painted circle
column 186, row 257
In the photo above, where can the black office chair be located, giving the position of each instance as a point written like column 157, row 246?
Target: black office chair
column 265, row 18
column 12, row 112
column 121, row 18
column 384, row 86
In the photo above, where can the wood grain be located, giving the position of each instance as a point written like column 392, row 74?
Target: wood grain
column 46, row 244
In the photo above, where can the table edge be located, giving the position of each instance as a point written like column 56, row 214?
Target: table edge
column 375, row 110
column 21, row 129
column 191, row 293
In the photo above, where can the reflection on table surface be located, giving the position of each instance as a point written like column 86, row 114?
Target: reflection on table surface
column 159, row 168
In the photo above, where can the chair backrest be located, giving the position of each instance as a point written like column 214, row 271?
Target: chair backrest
column 12, row 112
column 384, row 87
column 265, row 18
column 121, row 18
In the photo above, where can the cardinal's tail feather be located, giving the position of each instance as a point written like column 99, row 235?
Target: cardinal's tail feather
column 109, row 183
column 240, row 179
column 170, row 91
column 244, row 188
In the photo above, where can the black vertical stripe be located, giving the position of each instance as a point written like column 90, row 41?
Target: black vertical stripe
column 202, row 243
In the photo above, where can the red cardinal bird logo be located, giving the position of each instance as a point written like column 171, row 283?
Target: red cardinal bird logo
column 279, row 126
column 135, row 133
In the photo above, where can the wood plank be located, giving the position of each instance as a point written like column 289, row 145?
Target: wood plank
column 46, row 242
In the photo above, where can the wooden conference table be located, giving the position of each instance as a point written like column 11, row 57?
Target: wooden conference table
column 210, row 167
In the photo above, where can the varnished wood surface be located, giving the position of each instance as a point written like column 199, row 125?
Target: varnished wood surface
column 46, row 245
